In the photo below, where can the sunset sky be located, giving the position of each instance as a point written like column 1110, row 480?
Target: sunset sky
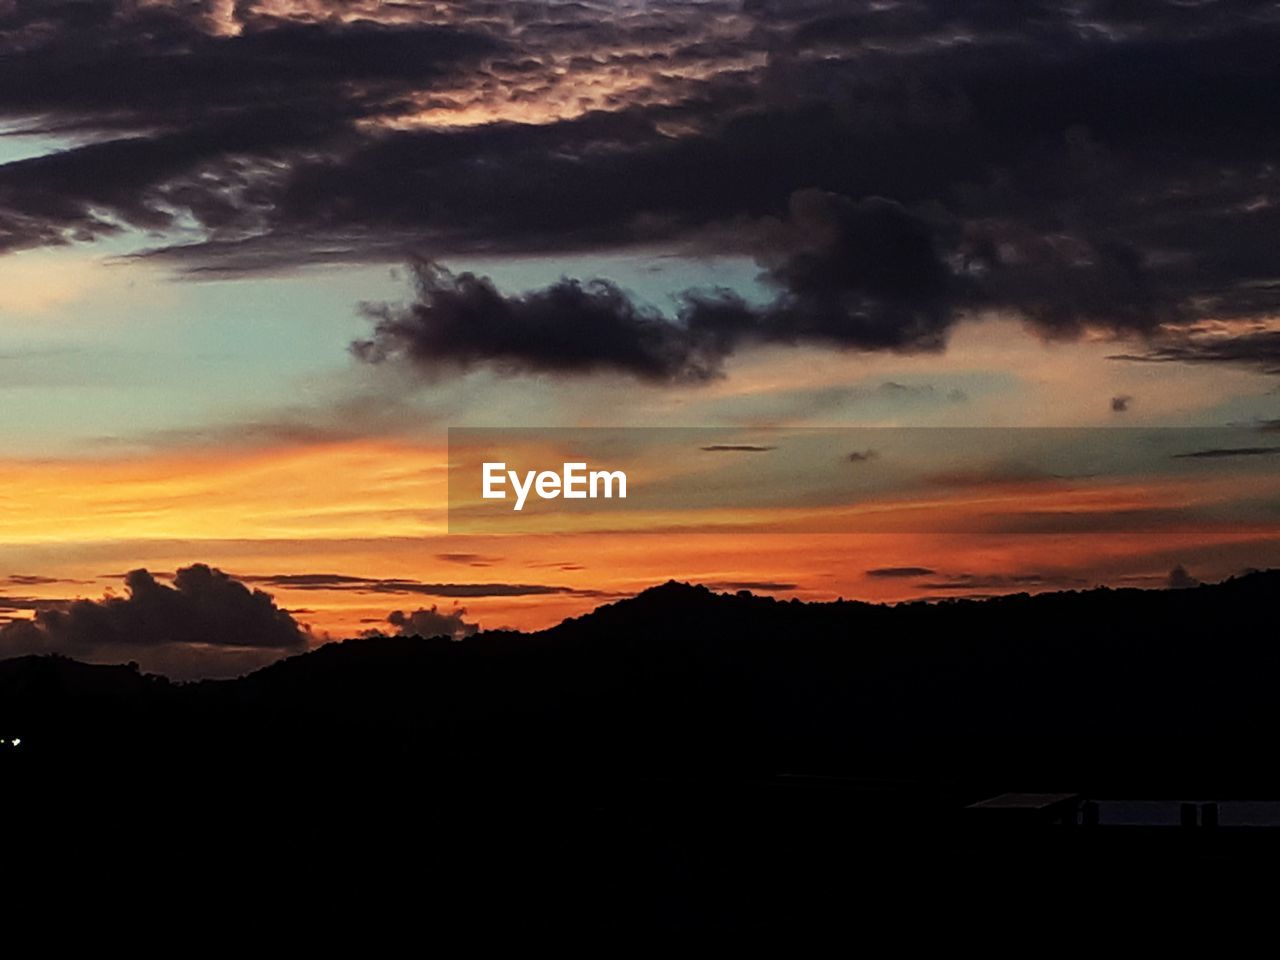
column 256, row 258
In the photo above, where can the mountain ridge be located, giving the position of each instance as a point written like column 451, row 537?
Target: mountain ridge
column 1058, row 687
column 662, row 600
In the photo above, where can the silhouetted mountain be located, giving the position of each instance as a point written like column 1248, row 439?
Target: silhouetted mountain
column 679, row 759
column 1065, row 687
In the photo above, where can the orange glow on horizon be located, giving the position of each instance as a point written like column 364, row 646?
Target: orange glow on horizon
column 376, row 510
column 362, row 489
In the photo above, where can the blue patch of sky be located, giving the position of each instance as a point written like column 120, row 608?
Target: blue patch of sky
column 16, row 145
column 144, row 351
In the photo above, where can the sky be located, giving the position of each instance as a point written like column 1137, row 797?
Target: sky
column 257, row 258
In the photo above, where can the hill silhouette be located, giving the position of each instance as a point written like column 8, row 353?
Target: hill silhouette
column 662, row 746
column 1061, row 687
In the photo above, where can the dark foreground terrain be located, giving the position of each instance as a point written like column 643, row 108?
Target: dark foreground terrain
column 679, row 760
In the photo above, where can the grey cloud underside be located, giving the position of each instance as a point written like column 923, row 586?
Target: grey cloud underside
column 203, row 608
column 177, row 121
column 1104, row 165
column 857, row 274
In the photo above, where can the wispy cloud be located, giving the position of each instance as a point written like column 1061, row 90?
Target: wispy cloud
column 357, row 584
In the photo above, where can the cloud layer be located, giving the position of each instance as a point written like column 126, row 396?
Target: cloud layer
column 892, row 167
column 356, row 584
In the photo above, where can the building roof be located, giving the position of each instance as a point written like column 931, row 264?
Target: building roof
column 1025, row 801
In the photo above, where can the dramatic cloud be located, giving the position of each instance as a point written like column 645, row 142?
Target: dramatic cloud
column 859, row 275
column 462, row 321
column 893, row 167
column 180, row 114
column 433, row 623
column 204, row 610
column 204, row 606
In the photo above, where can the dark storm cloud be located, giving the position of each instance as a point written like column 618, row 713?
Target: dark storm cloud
column 462, row 321
column 864, row 275
column 179, row 119
column 1101, row 165
column 203, row 608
